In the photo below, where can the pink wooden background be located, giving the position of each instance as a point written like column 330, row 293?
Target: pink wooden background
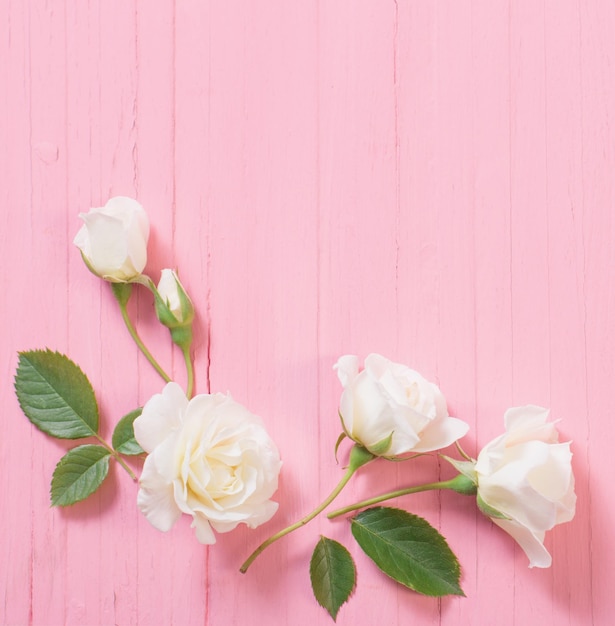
column 432, row 180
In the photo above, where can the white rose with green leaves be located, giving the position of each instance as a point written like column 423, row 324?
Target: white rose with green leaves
column 392, row 410
column 525, row 480
column 209, row 458
column 113, row 239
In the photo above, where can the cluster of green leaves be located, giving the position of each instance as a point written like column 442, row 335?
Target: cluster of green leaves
column 404, row 546
column 57, row 397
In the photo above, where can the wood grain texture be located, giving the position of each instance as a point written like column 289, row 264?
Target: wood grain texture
column 428, row 180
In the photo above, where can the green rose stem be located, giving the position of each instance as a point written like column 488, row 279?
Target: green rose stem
column 122, row 293
column 190, row 371
column 359, row 456
column 460, row 484
column 182, row 337
column 180, row 329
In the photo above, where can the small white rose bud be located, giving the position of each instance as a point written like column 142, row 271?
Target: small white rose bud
column 173, row 306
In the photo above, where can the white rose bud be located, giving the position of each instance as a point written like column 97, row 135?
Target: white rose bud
column 209, row 458
column 113, row 240
column 173, row 306
column 392, row 410
column 525, row 480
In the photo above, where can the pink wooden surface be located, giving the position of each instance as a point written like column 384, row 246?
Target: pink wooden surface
column 434, row 181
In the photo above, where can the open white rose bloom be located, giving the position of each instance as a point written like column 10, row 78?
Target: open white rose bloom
column 392, row 410
column 113, row 239
column 526, row 475
column 209, row 458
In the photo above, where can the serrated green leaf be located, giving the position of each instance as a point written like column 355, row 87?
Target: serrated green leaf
column 56, row 395
column 409, row 550
column 333, row 575
column 124, row 435
column 79, row 474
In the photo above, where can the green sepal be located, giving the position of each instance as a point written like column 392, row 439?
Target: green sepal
column 380, row 448
column 401, row 459
column 186, row 304
column 55, row 395
column 409, row 550
column 333, row 575
column 467, row 468
column 79, row 474
column 339, row 413
column 341, row 438
column 488, row 510
column 163, row 312
column 123, row 439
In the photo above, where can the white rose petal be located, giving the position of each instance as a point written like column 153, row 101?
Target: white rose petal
column 389, row 401
column 530, row 542
column 155, row 498
column 209, row 458
column 113, row 239
column 526, row 475
column 163, row 417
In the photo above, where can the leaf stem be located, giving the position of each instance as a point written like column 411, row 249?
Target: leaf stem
column 459, row 484
column 122, row 294
column 358, row 456
column 116, row 456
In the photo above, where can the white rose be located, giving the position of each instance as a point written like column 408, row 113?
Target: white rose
column 526, row 476
column 209, row 458
column 113, row 240
column 391, row 410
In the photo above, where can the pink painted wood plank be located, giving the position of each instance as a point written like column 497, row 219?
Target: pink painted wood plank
column 16, row 562
column 432, row 181
column 593, row 214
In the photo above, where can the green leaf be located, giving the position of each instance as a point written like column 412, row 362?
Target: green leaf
column 409, row 550
column 56, row 395
column 124, row 435
column 79, row 473
column 333, row 575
